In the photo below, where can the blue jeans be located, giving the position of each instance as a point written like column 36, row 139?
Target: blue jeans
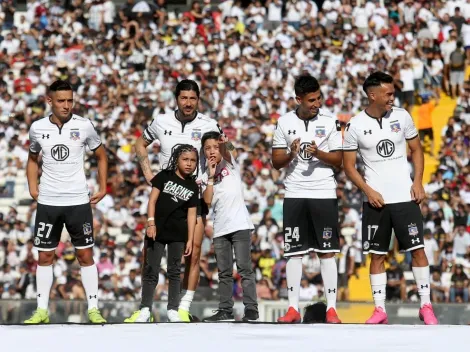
column 454, row 292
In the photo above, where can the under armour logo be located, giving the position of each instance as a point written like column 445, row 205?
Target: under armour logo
column 326, row 244
column 88, row 240
column 291, row 132
column 425, row 286
column 168, row 133
column 92, row 296
column 367, row 132
column 379, row 291
column 290, row 289
column 38, row 295
column 415, row 240
column 332, row 290
column 44, row 136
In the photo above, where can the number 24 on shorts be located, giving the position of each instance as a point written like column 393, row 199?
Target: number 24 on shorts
column 291, row 234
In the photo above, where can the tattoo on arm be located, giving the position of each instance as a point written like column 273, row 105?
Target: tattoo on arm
column 144, row 163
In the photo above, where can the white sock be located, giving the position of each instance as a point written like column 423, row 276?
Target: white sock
column 378, row 282
column 90, row 283
column 44, row 279
column 329, row 274
column 422, row 277
column 186, row 299
column 294, row 275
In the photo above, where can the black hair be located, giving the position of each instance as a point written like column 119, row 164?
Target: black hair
column 60, row 85
column 186, row 85
column 209, row 135
column 376, row 79
column 315, row 314
column 306, row 84
column 180, row 149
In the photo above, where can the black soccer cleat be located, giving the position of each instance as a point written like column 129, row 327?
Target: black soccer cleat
column 251, row 315
column 220, row 316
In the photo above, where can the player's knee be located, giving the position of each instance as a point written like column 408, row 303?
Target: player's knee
column 419, row 254
column 46, row 258
column 377, row 258
column 196, row 254
column 85, row 257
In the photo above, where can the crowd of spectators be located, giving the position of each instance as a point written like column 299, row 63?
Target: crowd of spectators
column 123, row 63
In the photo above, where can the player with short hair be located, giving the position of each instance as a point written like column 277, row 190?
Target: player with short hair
column 380, row 134
column 185, row 125
column 308, row 142
column 172, row 221
column 62, row 195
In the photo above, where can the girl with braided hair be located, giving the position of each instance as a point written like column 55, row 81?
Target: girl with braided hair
column 171, row 223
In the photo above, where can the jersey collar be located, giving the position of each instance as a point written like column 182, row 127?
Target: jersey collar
column 59, row 127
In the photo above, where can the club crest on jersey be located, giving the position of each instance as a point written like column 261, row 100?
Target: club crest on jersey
column 413, row 230
column 75, row 135
column 320, row 132
column 327, row 233
column 87, row 230
column 196, row 135
column 395, row 127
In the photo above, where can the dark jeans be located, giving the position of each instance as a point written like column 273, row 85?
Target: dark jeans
column 224, row 246
column 153, row 258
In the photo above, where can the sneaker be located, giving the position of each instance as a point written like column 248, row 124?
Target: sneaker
column 173, row 316
column 140, row 316
column 40, row 316
column 251, row 315
column 426, row 314
column 184, row 315
column 95, row 317
column 292, row 316
column 378, row 317
column 332, row 317
column 220, row 315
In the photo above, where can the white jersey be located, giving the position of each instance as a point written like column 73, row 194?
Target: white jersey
column 382, row 145
column 307, row 176
column 63, row 180
column 171, row 132
column 228, row 203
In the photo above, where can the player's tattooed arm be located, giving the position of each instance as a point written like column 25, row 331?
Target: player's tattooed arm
column 32, row 172
column 143, row 158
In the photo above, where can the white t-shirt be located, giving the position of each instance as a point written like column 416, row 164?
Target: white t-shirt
column 307, row 176
column 63, row 179
column 382, row 145
column 430, row 246
column 228, row 204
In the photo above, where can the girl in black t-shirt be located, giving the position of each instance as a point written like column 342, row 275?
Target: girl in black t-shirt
column 171, row 222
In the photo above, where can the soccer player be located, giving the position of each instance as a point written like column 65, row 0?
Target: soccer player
column 222, row 185
column 172, row 220
column 62, row 195
column 185, row 125
column 380, row 134
column 308, row 142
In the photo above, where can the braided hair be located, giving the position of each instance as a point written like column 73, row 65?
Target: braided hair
column 175, row 155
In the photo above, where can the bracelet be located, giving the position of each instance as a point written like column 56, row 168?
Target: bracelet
column 150, row 219
column 210, row 183
column 211, row 177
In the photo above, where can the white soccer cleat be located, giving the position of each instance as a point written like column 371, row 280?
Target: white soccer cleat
column 173, row 316
column 144, row 316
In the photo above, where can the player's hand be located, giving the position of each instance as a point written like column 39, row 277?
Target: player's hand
column 95, row 198
column 375, row 199
column 417, row 192
column 151, row 232
column 34, row 194
column 189, row 248
column 149, row 178
column 294, row 148
column 212, row 166
column 313, row 149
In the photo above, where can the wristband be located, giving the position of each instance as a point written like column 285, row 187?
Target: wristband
column 150, row 219
column 211, row 177
column 210, row 183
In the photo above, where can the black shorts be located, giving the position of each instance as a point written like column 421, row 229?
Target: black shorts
column 50, row 220
column 404, row 219
column 426, row 132
column 202, row 208
column 310, row 225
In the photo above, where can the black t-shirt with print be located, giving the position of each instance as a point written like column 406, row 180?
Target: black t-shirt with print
column 171, row 210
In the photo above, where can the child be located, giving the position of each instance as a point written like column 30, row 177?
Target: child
column 172, row 220
column 222, row 188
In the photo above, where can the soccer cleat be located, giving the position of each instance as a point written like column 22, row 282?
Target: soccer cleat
column 140, row 316
column 426, row 314
column 378, row 317
column 251, row 315
column 184, row 315
column 220, row 315
column 40, row 316
column 332, row 317
column 292, row 316
column 95, row 316
column 173, row 316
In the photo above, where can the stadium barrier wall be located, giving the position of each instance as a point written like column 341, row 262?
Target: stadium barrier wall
column 16, row 311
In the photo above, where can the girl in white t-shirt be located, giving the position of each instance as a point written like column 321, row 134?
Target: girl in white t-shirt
column 223, row 190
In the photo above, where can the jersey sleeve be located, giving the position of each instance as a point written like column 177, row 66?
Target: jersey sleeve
column 34, row 145
column 93, row 140
column 150, row 133
column 335, row 139
column 194, row 200
column 409, row 129
column 158, row 180
column 279, row 139
column 350, row 138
